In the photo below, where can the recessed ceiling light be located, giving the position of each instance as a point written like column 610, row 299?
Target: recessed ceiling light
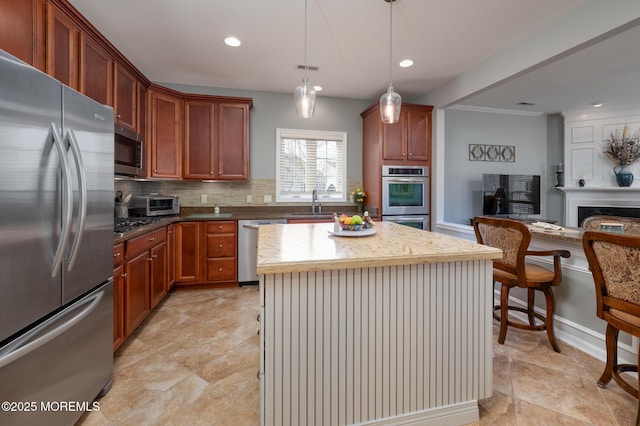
column 232, row 41
column 406, row 63
column 317, row 88
column 596, row 104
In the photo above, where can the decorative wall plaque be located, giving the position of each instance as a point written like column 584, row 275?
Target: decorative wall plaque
column 481, row 152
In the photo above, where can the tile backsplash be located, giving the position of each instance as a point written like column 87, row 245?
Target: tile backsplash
column 222, row 193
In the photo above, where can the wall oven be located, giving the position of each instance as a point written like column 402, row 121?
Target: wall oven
column 405, row 195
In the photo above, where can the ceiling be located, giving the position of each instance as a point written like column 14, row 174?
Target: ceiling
column 181, row 42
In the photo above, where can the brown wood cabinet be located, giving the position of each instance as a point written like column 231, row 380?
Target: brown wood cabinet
column 222, row 252
column 216, row 142
column 145, row 276
column 166, row 134
column 407, row 142
column 22, row 32
column 96, row 71
column 171, row 252
column 119, row 334
column 188, row 252
column 125, row 101
column 63, row 47
column 206, row 253
column 232, row 147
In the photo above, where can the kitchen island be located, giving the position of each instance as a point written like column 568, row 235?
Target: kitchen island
column 391, row 328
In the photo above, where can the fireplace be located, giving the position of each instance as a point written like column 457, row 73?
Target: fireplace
column 586, row 211
column 588, row 201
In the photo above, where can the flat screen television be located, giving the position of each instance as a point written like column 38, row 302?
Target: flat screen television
column 517, row 195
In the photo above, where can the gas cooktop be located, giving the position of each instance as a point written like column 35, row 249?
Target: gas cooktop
column 120, row 226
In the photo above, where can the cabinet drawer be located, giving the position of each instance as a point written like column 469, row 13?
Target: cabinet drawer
column 221, row 245
column 146, row 241
column 222, row 227
column 118, row 255
column 221, row 270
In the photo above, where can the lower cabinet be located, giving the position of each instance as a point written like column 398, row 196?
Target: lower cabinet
column 144, row 278
column 206, row 253
column 118, row 296
column 171, row 256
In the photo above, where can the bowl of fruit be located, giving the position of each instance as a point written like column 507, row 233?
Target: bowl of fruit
column 350, row 223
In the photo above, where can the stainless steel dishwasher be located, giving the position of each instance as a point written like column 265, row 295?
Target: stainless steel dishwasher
column 248, row 248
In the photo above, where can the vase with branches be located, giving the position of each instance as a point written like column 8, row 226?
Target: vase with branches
column 623, row 148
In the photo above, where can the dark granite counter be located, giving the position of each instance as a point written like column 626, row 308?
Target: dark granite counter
column 196, row 214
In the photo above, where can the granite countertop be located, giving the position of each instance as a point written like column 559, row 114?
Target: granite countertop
column 196, row 214
column 310, row 247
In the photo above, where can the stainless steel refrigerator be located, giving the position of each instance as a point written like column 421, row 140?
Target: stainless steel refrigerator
column 56, row 248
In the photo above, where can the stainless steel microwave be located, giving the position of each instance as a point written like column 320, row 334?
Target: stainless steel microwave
column 128, row 152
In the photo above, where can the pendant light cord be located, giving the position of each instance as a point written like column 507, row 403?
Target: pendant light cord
column 390, row 37
column 305, row 42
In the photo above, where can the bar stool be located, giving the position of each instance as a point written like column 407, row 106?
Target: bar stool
column 513, row 238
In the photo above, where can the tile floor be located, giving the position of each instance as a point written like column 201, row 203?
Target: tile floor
column 195, row 358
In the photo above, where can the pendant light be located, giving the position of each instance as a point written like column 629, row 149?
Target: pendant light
column 305, row 94
column 390, row 102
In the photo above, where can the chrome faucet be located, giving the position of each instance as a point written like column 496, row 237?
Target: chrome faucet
column 314, row 197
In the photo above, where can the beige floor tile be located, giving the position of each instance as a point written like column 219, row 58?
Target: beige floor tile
column 194, row 361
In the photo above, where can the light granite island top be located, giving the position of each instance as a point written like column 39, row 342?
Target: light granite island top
column 388, row 329
column 287, row 248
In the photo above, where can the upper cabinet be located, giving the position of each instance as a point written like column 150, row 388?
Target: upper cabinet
column 408, row 140
column 96, row 71
column 125, row 98
column 22, row 32
column 63, row 47
column 216, row 139
column 166, row 134
column 233, row 141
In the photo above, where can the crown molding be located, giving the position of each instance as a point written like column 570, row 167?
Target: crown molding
column 496, row 110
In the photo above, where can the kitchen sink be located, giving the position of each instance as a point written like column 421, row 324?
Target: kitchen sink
column 319, row 215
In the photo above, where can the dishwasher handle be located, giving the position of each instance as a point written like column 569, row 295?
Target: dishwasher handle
column 250, row 226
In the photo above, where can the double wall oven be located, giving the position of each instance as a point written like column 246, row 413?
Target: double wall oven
column 405, row 195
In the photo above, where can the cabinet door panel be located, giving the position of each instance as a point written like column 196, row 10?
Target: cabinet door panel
column 136, row 291
column 233, row 142
column 418, row 129
column 22, row 30
column 171, row 251
column 199, row 140
column 63, row 45
column 125, row 98
column 118, row 307
column 393, row 141
column 158, row 284
column 96, row 71
column 142, row 120
column 188, row 252
column 166, row 136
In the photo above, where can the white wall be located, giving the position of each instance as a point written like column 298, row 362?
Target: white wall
column 463, row 178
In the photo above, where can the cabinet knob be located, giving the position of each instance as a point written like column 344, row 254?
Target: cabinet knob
column 219, row 226
column 150, row 259
column 220, row 245
column 118, row 116
column 220, row 269
column 116, row 254
column 210, row 173
column 155, row 170
column 155, row 256
column 124, row 275
column 152, row 239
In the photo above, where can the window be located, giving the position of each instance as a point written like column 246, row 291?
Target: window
column 308, row 160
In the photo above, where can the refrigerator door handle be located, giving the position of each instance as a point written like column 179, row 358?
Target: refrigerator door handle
column 32, row 339
column 82, row 198
column 67, row 201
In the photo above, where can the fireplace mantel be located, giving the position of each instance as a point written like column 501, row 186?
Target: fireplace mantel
column 610, row 196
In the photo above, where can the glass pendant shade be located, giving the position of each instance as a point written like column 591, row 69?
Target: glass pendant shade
column 390, row 104
column 305, row 99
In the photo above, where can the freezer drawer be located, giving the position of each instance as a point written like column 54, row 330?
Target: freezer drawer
column 66, row 360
